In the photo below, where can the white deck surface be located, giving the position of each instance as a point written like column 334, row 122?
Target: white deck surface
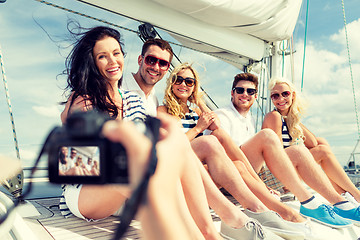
column 50, row 224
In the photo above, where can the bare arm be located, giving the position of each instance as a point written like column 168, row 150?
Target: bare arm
column 80, row 104
column 310, row 139
column 273, row 121
column 161, row 109
column 204, row 108
column 161, row 216
column 206, row 119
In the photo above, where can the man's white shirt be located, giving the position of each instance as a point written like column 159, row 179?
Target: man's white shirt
column 150, row 103
column 239, row 128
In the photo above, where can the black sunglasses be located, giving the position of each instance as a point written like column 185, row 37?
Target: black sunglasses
column 241, row 90
column 152, row 61
column 188, row 81
column 285, row 94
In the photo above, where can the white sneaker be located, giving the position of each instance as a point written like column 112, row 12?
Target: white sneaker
column 251, row 231
column 350, row 198
column 307, row 229
column 274, row 222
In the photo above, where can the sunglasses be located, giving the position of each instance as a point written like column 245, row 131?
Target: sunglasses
column 152, row 61
column 275, row 96
column 188, row 81
column 241, row 90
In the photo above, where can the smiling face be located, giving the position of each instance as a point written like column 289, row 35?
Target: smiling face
column 73, row 153
column 151, row 74
column 109, row 59
column 282, row 97
column 243, row 102
column 64, row 150
column 183, row 91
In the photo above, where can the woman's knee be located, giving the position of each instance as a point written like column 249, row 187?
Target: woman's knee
column 322, row 152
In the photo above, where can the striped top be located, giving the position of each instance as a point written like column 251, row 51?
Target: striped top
column 286, row 138
column 190, row 121
column 133, row 110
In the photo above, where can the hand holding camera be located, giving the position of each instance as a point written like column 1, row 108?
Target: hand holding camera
column 82, row 135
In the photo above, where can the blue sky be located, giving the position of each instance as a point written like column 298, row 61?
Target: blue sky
column 33, row 63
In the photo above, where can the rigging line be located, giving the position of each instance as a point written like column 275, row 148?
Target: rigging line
column 260, row 106
column 350, row 67
column 7, row 93
column 283, row 57
column 128, row 29
column 131, row 30
column 262, row 96
column 306, row 24
column 292, row 58
column 283, row 52
column 15, row 184
column 87, row 16
column 137, row 32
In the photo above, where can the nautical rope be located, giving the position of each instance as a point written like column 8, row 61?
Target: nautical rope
column 306, row 24
column 87, row 16
column 283, row 50
column 292, row 59
column 133, row 31
column 9, row 104
column 15, row 184
column 350, row 67
column 128, row 29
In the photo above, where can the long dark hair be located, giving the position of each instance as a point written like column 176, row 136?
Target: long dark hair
column 62, row 157
column 84, row 78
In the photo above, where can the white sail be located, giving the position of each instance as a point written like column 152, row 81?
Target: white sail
column 234, row 31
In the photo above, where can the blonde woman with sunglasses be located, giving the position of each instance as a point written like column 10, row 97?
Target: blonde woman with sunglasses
column 285, row 120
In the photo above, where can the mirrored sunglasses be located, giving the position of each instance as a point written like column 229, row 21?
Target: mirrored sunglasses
column 285, row 94
column 152, row 61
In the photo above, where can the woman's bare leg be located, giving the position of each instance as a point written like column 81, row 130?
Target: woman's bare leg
column 261, row 191
column 328, row 162
column 312, row 174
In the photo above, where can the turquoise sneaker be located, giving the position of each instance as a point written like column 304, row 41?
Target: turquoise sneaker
column 325, row 214
column 352, row 214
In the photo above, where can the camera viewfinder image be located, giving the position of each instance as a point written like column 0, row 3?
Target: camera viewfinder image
column 79, row 161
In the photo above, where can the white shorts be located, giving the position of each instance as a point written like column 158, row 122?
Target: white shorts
column 71, row 195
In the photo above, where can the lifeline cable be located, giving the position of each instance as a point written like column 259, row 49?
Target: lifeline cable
column 351, row 73
column 306, row 24
column 14, row 185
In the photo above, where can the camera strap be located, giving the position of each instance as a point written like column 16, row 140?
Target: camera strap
column 139, row 195
column 137, row 198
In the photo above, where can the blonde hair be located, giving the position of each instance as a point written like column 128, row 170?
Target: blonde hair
column 296, row 111
column 78, row 161
column 173, row 104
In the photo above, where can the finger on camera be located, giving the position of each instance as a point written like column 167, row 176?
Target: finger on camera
column 125, row 133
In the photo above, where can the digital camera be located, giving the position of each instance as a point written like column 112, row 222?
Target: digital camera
column 78, row 153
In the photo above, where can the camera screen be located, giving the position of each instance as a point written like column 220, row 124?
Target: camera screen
column 79, row 161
